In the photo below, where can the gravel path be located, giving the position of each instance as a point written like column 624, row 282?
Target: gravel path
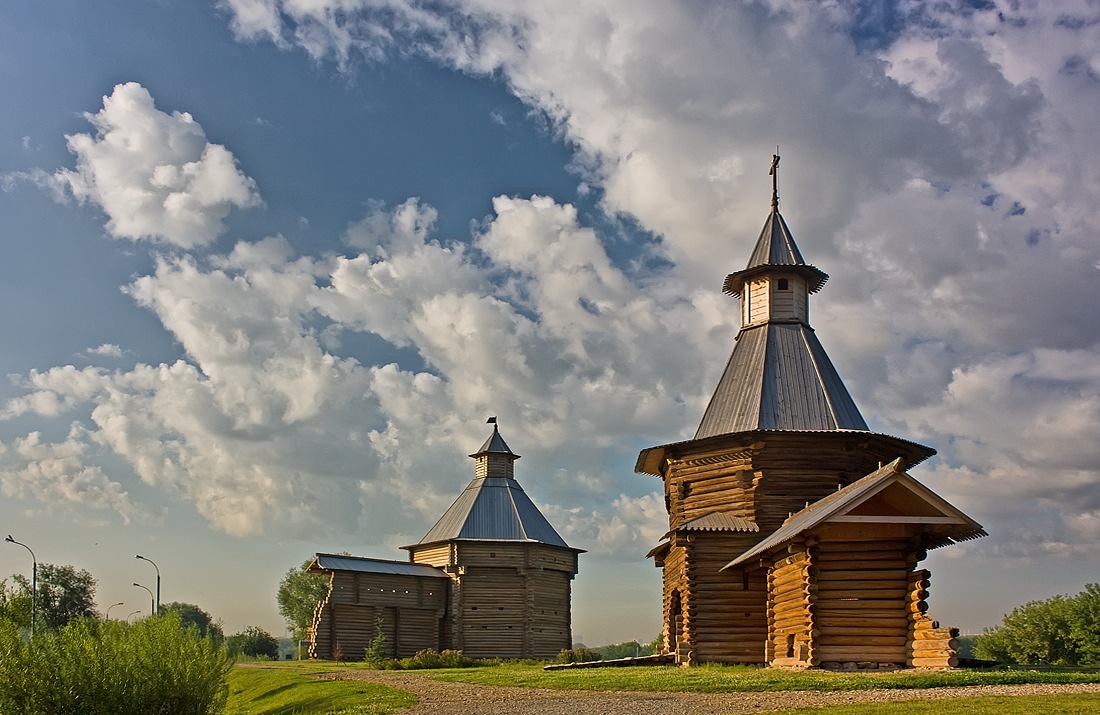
column 442, row 698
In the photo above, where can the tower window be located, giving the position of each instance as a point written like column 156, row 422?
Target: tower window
column 784, row 284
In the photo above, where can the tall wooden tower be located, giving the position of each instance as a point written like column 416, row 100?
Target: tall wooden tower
column 780, row 434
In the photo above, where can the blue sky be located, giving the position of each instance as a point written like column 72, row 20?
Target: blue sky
column 270, row 265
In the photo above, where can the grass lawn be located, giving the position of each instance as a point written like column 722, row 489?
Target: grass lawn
column 296, row 689
column 299, row 688
column 739, row 679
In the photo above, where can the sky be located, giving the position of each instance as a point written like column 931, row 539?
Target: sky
column 269, row 265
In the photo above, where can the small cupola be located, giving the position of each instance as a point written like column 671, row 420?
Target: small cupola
column 776, row 284
column 494, row 459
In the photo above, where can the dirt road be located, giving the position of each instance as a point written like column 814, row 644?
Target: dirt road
column 441, row 698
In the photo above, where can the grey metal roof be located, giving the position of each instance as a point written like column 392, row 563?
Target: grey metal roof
column 779, row 378
column 494, row 509
column 337, row 562
column 495, row 444
column 854, row 494
column 775, row 248
column 718, row 521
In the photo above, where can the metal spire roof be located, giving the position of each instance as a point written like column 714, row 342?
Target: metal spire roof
column 779, row 378
column 495, row 444
column 775, row 249
column 494, row 508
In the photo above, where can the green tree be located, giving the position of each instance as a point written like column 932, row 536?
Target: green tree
column 1084, row 626
column 299, row 593
column 1062, row 630
column 254, row 642
column 63, row 594
column 15, row 605
column 193, row 616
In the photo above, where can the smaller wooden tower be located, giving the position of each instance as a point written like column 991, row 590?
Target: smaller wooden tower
column 510, row 570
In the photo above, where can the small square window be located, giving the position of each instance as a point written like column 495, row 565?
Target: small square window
column 784, row 284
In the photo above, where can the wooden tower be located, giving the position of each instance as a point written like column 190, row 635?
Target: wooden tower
column 510, row 570
column 780, row 434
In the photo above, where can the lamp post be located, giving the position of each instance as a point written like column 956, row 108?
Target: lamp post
column 156, row 611
column 132, row 614
column 152, row 603
column 34, row 581
column 108, row 616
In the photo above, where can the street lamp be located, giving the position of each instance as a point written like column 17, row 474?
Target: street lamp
column 152, row 603
column 132, row 614
column 139, row 556
column 108, row 616
column 34, row 581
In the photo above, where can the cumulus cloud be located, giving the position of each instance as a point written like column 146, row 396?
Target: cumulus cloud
column 155, row 175
column 945, row 178
column 943, row 175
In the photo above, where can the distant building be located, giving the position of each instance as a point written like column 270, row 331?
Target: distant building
column 790, row 543
column 492, row 578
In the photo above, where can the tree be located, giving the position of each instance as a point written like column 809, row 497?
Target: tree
column 193, row 616
column 298, row 596
column 254, row 642
column 64, row 594
column 1062, row 630
column 15, row 605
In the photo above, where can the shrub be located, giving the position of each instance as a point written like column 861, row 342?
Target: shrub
column 577, row 655
column 253, row 642
column 92, row 667
column 432, row 659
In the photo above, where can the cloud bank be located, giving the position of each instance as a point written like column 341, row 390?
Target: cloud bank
column 944, row 176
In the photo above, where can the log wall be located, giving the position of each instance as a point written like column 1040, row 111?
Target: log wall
column 792, row 594
column 408, row 609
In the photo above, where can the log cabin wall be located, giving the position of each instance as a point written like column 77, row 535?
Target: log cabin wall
column 791, row 597
column 409, row 609
column 862, row 610
column 720, row 616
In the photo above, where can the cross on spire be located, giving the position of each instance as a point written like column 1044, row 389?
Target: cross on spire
column 774, row 173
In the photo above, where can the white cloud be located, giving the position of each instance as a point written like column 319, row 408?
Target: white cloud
column 155, row 175
column 945, row 180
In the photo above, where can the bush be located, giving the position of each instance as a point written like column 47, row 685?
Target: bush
column 432, row 659
column 1063, row 630
column 577, row 655
column 92, row 667
column 253, row 642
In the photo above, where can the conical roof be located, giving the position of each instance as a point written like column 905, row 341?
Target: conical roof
column 494, row 506
column 494, row 509
column 775, row 248
column 779, row 378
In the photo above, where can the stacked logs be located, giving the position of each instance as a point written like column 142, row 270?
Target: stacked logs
column 930, row 646
column 862, row 611
column 791, row 601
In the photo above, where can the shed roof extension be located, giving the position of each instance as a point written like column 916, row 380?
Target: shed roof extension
column 343, row 562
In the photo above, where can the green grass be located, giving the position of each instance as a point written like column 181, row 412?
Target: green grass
column 735, row 679
column 300, row 689
column 992, row 705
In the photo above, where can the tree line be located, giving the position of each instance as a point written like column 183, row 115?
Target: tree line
column 66, row 594
column 1062, row 630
